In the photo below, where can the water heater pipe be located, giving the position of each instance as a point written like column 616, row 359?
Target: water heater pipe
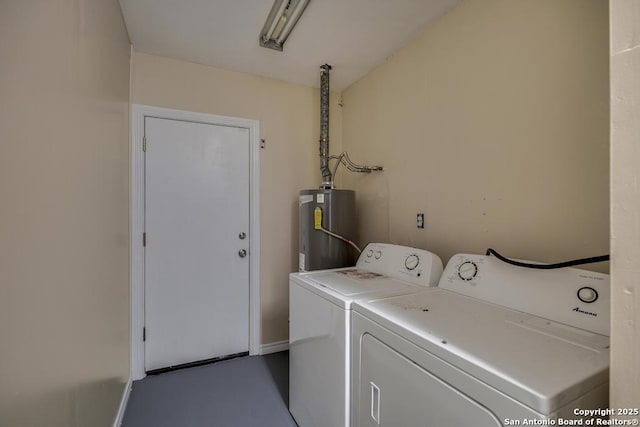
column 317, row 224
column 327, row 177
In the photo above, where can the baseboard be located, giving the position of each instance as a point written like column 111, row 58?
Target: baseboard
column 123, row 404
column 274, row 347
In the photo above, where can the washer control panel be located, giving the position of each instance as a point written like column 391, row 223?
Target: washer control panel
column 414, row 265
column 567, row 295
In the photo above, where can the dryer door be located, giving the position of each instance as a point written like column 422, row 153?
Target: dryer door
column 394, row 391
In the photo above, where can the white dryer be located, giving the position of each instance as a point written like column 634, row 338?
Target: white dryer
column 319, row 325
column 492, row 345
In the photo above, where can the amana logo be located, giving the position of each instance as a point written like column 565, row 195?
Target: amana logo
column 584, row 312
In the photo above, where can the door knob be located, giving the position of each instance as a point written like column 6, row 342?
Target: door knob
column 242, row 236
column 242, row 253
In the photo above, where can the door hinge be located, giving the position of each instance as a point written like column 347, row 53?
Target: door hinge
column 144, row 334
column 144, row 240
column 144, row 144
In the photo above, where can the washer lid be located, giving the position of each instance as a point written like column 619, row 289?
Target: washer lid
column 541, row 363
column 346, row 285
column 352, row 281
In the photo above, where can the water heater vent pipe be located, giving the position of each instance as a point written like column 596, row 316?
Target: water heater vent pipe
column 327, row 177
column 343, row 158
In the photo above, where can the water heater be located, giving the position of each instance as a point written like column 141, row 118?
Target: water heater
column 335, row 209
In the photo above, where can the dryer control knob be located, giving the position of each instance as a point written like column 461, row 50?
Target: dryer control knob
column 468, row 270
column 587, row 294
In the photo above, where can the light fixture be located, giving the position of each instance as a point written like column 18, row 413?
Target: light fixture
column 283, row 17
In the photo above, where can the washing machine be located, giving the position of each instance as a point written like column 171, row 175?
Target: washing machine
column 319, row 325
column 492, row 345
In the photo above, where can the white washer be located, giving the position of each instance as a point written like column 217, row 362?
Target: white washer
column 319, row 325
column 492, row 343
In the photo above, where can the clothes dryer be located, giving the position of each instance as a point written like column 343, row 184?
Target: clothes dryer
column 492, row 345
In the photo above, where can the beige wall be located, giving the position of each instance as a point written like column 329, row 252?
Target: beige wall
column 494, row 123
column 64, row 304
column 289, row 121
column 625, row 203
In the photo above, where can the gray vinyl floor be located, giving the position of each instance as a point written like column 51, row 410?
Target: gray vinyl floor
column 242, row 392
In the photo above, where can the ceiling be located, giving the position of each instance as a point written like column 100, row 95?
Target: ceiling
column 354, row 36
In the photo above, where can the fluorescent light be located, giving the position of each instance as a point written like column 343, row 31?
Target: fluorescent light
column 274, row 22
column 283, row 17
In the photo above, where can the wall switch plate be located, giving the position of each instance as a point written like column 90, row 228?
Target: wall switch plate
column 420, row 220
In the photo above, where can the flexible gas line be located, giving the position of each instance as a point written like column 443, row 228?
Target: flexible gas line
column 317, row 216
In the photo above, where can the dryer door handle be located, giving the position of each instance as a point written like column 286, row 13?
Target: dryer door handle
column 375, row 402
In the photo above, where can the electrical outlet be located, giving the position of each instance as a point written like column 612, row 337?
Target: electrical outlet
column 420, row 220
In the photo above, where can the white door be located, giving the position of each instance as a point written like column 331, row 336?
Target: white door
column 196, row 213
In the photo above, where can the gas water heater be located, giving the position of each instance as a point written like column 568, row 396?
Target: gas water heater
column 325, row 214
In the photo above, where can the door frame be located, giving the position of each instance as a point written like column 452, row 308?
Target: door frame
column 138, row 114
